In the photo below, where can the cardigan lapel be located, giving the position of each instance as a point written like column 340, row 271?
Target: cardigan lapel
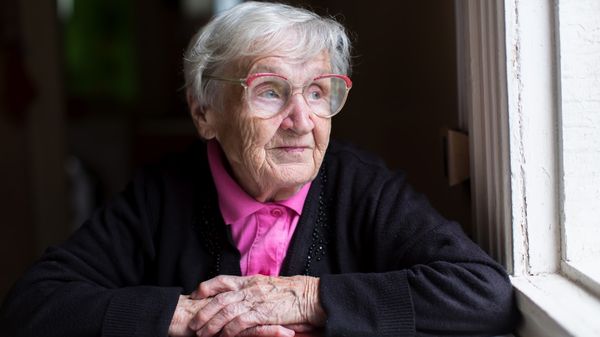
column 310, row 241
column 208, row 222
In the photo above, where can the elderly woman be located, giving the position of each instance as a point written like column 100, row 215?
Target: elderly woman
column 265, row 228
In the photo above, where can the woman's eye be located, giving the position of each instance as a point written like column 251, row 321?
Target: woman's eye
column 271, row 93
column 315, row 94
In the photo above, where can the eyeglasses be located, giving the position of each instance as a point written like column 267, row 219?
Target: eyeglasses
column 268, row 94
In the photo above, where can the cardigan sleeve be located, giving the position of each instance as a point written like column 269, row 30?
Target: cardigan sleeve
column 90, row 285
column 427, row 278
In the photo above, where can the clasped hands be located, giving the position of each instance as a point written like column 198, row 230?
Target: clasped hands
column 243, row 306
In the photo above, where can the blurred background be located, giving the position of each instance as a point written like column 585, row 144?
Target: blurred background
column 91, row 89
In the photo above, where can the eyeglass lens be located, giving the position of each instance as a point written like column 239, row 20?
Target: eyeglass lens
column 268, row 95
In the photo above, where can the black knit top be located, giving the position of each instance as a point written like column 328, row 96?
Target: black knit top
column 389, row 264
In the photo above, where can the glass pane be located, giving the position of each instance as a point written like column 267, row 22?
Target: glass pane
column 580, row 109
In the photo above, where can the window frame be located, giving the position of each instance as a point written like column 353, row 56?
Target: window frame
column 509, row 94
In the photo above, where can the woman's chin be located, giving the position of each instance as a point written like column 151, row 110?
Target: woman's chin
column 294, row 174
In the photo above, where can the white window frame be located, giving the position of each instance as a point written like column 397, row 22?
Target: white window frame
column 509, row 95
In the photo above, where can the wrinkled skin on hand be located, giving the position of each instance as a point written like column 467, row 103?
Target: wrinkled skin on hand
column 184, row 312
column 187, row 309
column 257, row 305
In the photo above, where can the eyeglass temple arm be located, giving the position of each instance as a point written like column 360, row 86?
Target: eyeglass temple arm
column 226, row 79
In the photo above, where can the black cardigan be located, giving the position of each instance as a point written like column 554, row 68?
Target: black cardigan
column 389, row 264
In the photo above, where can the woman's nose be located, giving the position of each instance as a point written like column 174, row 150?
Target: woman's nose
column 299, row 117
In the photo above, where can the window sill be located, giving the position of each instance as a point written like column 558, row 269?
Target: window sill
column 553, row 305
column 586, row 273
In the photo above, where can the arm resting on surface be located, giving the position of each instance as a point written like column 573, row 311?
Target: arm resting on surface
column 455, row 290
column 91, row 284
column 420, row 274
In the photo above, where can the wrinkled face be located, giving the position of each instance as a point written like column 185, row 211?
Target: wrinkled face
column 272, row 158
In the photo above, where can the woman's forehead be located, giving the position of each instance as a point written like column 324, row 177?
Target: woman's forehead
column 289, row 65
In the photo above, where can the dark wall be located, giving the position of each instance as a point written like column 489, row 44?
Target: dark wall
column 405, row 90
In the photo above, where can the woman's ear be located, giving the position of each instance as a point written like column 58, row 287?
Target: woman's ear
column 204, row 124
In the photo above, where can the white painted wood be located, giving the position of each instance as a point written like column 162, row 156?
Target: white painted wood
column 579, row 26
column 584, row 272
column 555, row 306
column 532, row 89
column 529, row 88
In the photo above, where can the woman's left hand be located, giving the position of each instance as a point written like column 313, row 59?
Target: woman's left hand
column 236, row 304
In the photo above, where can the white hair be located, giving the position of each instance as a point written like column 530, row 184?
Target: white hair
column 254, row 29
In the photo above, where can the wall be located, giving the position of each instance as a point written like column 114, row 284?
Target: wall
column 16, row 226
column 33, row 198
column 404, row 91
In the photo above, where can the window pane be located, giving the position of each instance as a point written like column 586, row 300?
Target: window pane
column 580, row 90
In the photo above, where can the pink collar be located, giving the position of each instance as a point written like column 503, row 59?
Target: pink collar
column 234, row 202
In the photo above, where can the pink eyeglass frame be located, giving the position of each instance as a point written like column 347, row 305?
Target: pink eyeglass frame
column 246, row 82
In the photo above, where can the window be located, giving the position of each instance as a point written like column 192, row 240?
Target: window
column 530, row 88
column 579, row 30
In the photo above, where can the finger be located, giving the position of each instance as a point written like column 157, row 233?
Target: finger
column 300, row 327
column 219, row 320
column 214, row 305
column 217, row 285
column 184, row 312
column 250, row 319
column 197, row 305
column 267, row 331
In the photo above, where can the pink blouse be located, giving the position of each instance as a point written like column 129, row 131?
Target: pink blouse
column 261, row 231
